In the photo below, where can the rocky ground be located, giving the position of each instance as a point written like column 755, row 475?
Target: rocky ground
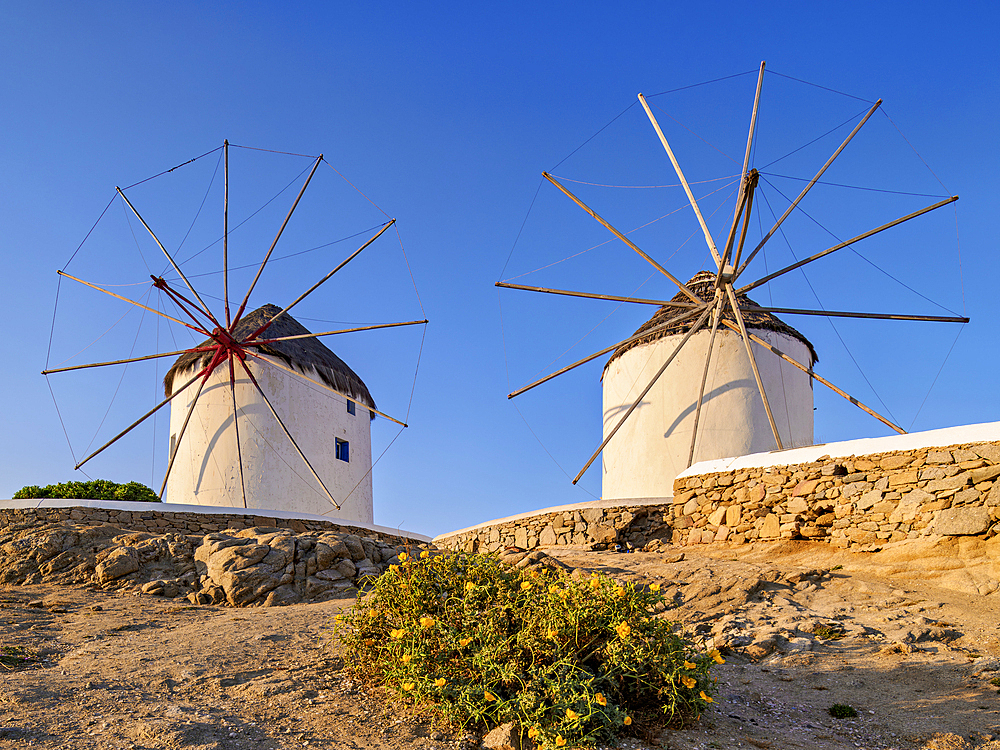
column 900, row 635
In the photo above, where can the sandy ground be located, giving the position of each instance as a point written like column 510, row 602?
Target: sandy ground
column 914, row 657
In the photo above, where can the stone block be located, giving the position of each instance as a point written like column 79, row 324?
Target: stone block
column 964, row 454
column 962, row 521
column 797, row 505
column 968, row 496
column 911, row 476
column 548, row 537
column 804, row 488
column 889, row 463
column 691, row 506
column 985, row 474
column 717, row 517
column 771, row 527
column 756, row 494
column 722, row 534
column 939, row 457
column 948, row 483
column 733, row 514
column 989, row 451
column 869, row 499
column 593, row 515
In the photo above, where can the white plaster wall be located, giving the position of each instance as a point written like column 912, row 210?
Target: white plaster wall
column 206, row 471
column 652, row 446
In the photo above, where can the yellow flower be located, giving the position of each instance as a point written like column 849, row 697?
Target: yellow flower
column 595, row 583
column 406, row 658
column 552, row 633
column 408, row 686
column 688, row 682
column 464, row 642
column 533, row 732
column 619, row 591
column 526, row 586
column 601, row 700
column 404, row 585
column 560, row 742
column 403, row 557
column 571, row 714
column 394, row 568
column 714, row 653
column 470, row 586
column 397, row 634
column 554, row 589
column 340, row 618
column 628, row 720
column 439, row 682
column 426, row 622
column 489, row 696
column 563, row 594
column 424, row 555
column 706, row 698
column 655, row 588
column 623, row 630
column 689, row 665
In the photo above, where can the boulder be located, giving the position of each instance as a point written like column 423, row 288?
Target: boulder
column 964, row 521
column 120, row 562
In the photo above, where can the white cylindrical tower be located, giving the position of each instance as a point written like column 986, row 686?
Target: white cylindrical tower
column 333, row 432
column 653, row 445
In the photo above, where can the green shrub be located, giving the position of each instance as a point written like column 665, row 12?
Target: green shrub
column 97, row 489
column 842, row 711
column 572, row 662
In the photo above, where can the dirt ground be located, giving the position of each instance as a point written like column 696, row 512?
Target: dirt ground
column 919, row 662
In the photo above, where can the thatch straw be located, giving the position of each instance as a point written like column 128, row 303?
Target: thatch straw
column 304, row 354
column 703, row 285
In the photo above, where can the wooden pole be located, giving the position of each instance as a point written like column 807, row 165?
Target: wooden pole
column 694, row 297
column 611, row 348
column 746, row 192
column 704, row 376
column 324, row 385
column 204, row 308
column 743, row 231
column 342, row 330
column 319, row 283
column 141, row 419
column 753, row 363
column 236, row 424
column 684, row 182
column 177, row 298
column 753, row 119
column 288, row 434
column 808, row 187
column 239, row 313
column 873, row 316
column 589, row 295
column 825, row 382
column 180, row 435
column 841, row 245
column 133, row 302
column 127, row 361
column 225, row 251
column 635, row 404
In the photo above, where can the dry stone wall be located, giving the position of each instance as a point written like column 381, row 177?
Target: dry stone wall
column 853, row 502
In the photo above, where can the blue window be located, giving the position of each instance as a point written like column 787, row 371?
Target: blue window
column 350, row 407
column 343, row 449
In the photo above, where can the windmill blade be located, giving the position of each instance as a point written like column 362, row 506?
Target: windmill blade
column 687, row 188
column 872, row 316
column 825, row 382
column 133, row 302
column 753, row 363
column 708, row 361
column 590, row 295
column 180, row 435
column 693, row 297
column 236, row 425
column 611, row 348
column 746, row 195
column 808, row 187
column 225, row 256
column 204, row 308
column 342, row 330
column 319, row 283
column 126, row 361
column 687, row 337
column 324, row 385
column 289, row 435
column 842, row 245
column 182, row 302
column 141, row 419
column 743, row 231
column 239, row 313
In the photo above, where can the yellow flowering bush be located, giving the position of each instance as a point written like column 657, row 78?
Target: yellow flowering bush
column 572, row 662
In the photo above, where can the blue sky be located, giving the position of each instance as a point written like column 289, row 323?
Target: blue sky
column 445, row 118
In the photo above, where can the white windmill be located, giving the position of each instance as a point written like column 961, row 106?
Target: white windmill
column 711, row 327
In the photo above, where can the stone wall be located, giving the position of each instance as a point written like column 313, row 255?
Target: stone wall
column 156, row 521
column 856, row 501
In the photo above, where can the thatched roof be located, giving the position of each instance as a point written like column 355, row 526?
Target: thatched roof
column 703, row 285
column 304, row 354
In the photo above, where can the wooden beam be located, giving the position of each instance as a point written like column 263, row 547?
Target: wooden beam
column 687, row 188
column 808, row 187
column 873, row 316
column 127, row 361
column 589, row 295
column 691, row 295
column 842, row 245
column 825, row 382
column 342, row 330
column 704, row 376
